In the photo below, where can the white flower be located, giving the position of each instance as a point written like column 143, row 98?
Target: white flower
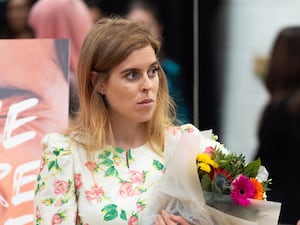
column 209, row 142
column 262, row 174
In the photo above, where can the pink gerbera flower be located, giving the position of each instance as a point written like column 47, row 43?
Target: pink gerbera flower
column 242, row 190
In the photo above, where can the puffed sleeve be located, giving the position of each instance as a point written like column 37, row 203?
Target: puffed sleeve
column 174, row 134
column 55, row 198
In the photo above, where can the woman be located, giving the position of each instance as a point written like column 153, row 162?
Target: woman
column 104, row 169
column 279, row 135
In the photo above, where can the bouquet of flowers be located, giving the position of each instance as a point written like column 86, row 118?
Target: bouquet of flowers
column 229, row 183
column 224, row 172
column 230, row 190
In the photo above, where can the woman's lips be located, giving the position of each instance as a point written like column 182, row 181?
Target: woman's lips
column 146, row 101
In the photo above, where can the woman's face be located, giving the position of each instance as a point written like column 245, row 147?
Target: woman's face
column 131, row 89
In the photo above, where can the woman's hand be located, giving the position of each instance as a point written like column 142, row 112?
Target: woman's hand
column 298, row 223
column 166, row 218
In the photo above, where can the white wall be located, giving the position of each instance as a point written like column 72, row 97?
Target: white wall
column 246, row 28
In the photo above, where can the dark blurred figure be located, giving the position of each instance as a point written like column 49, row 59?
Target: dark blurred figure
column 279, row 129
column 145, row 12
column 15, row 19
column 96, row 9
column 67, row 19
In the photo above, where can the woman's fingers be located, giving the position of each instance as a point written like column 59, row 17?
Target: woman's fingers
column 164, row 219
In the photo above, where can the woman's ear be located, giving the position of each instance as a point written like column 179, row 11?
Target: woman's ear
column 94, row 78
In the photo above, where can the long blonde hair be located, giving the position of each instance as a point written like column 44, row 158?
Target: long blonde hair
column 109, row 42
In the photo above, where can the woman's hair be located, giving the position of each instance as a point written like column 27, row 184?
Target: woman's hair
column 283, row 75
column 110, row 42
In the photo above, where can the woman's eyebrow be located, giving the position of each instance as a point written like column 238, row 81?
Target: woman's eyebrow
column 132, row 68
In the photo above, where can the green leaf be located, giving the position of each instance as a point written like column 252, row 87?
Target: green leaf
column 111, row 171
column 107, row 162
column 252, row 168
column 57, row 166
column 104, row 155
column 51, row 165
column 158, row 165
column 123, row 215
column 120, row 150
column 129, row 155
column 110, row 212
column 57, row 151
column 206, row 182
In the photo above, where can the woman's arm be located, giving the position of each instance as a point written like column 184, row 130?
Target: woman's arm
column 55, row 198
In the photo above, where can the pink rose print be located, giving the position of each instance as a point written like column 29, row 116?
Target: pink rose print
column 42, row 165
column 139, row 207
column 91, row 165
column 137, row 177
column 58, row 202
column 61, row 187
column 94, row 193
column 56, row 219
column 190, row 129
column 133, row 220
column 127, row 190
column 78, row 182
column 37, row 212
column 174, row 130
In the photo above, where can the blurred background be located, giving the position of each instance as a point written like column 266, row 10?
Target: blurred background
column 221, row 47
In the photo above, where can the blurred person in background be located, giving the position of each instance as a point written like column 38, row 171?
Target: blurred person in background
column 96, row 9
column 16, row 19
column 279, row 134
column 145, row 12
column 67, row 19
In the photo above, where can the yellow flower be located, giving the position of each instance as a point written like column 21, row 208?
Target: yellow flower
column 204, row 167
column 204, row 162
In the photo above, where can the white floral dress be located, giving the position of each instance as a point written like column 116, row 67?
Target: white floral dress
column 113, row 190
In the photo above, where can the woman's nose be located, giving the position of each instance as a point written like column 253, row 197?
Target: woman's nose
column 146, row 83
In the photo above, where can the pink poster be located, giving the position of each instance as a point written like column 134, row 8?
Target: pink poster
column 34, row 96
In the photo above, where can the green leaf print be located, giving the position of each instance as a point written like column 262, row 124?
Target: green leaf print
column 107, row 162
column 38, row 178
column 104, row 155
column 130, row 159
column 39, row 187
column 111, row 171
column 123, row 215
column 57, row 151
column 51, row 165
column 158, row 165
column 48, row 201
column 119, row 150
column 110, row 212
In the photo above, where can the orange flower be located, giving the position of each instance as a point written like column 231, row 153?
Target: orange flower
column 259, row 190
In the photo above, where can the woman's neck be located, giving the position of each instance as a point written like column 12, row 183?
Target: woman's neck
column 129, row 135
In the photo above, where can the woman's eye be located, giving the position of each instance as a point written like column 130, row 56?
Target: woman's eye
column 132, row 75
column 153, row 72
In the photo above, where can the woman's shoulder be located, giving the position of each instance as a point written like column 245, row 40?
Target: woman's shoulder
column 54, row 141
column 54, row 137
column 184, row 128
